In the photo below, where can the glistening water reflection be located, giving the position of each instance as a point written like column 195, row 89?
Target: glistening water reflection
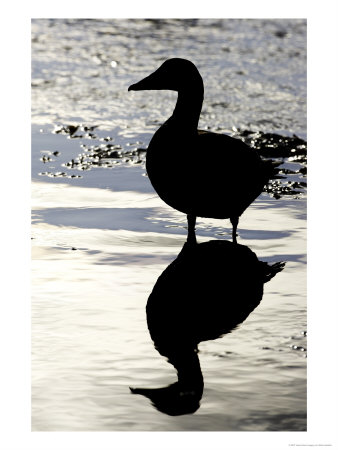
column 206, row 292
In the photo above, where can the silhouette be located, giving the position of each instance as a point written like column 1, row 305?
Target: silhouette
column 205, row 293
column 214, row 175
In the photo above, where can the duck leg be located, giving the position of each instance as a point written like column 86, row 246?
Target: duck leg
column 234, row 223
column 191, row 229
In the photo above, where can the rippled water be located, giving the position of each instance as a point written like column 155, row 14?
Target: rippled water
column 101, row 236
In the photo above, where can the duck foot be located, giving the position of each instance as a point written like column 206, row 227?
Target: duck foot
column 234, row 223
column 191, row 239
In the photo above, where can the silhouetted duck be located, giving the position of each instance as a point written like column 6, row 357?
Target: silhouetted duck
column 214, row 175
column 205, row 293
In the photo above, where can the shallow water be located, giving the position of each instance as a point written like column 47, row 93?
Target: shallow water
column 101, row 238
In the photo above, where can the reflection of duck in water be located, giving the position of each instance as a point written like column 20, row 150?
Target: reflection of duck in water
column 214, row 175
column 205, row 293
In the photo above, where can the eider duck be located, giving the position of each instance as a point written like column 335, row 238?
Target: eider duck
column 214, row 175
column 205, row 293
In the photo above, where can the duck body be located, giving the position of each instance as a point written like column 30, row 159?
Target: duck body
column 220, row 185
column 214, row 175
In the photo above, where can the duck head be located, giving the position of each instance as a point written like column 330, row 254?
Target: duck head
column 175, row 74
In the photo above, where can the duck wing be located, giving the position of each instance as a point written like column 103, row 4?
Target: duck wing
column 204, row 174
column 233, row 174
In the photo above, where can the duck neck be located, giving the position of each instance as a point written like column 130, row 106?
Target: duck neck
column 188, row 108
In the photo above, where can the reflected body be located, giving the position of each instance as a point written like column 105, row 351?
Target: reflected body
column 205, row 293
column 219, row 187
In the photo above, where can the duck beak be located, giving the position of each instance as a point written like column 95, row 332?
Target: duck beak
column 135, row 87
column 152, row 82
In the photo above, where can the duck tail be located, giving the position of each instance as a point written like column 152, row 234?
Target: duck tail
column 271, row 169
